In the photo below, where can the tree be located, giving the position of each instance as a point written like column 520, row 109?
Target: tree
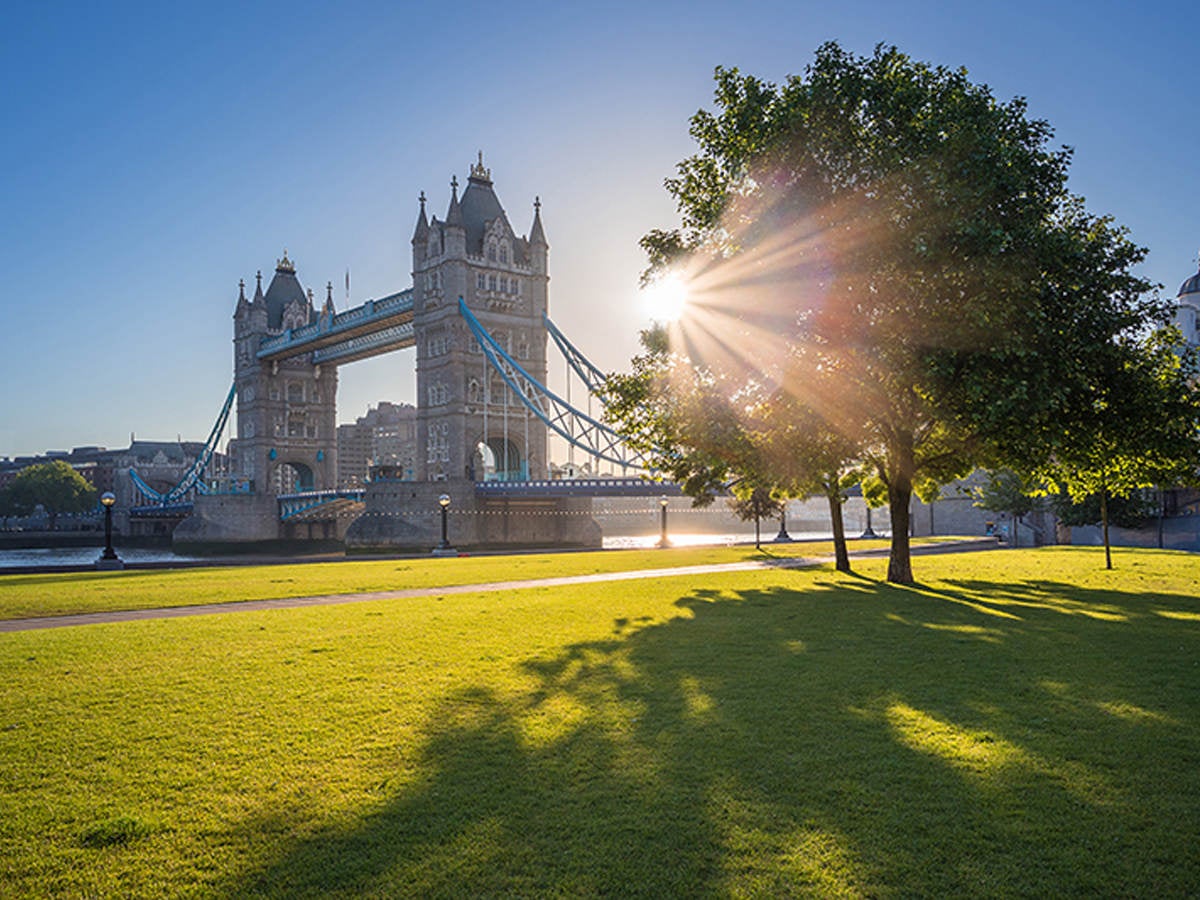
column 1005, row 492
column 754, row 503
column 890, row 229
column 807, row 458
column 1138, row 426
column 54, row 486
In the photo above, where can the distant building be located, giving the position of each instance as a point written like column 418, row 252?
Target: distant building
column 385, row 436
column 1187, row 310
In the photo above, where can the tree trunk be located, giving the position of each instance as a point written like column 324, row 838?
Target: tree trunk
column 900, row 559
column 840, row 554
column 1104, row 525
column 757, row 540
column 900, row 474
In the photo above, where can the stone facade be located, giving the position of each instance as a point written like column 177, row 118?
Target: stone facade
column 286, row 411
column 469, row 424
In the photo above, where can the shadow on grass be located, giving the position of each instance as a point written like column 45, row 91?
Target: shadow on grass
column 855, row 738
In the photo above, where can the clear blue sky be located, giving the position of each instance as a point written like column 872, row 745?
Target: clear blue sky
column 154, row 154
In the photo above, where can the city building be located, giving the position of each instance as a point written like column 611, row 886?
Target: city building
column 386, row 435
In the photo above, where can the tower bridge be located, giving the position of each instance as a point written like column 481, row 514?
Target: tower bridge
column 477, row 314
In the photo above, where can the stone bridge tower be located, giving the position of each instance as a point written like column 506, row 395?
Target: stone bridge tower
column 470, row 425
column 286, row 410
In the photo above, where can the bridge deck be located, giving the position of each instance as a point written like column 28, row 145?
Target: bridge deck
column 375, row 327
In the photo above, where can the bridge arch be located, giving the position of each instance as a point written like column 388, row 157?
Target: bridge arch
column 499, row 459
column 290, row 477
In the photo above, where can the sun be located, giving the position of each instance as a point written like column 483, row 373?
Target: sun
column 665, row 298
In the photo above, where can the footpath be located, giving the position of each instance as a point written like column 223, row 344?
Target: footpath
column 235, row 606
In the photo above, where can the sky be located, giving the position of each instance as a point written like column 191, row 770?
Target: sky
column 155, row 154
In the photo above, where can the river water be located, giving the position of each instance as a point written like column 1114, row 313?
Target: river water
column 83, row 556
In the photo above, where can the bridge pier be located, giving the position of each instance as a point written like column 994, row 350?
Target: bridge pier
column 404, row 515
column 224, row 521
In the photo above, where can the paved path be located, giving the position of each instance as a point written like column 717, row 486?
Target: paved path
column 208, row 609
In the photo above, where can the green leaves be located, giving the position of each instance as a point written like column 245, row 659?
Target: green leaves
column 893, row 277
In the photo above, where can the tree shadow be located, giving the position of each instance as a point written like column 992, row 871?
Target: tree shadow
column 853, row 738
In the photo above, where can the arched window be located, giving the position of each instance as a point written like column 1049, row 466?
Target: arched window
column 295, row 392
column 504, row 253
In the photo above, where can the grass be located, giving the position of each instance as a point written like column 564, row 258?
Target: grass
column 55, row 594
column 1021, row 723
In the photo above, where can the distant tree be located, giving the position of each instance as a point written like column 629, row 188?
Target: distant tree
column 755, row 503
column 1005, row 492
column 1138, row 426
column 890, row 228
column 54, row 486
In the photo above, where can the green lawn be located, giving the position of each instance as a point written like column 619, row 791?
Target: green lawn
column 55, row 594
column 1022, row 723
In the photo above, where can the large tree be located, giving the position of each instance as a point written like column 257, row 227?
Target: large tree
column 894, row 247
column 54, row 486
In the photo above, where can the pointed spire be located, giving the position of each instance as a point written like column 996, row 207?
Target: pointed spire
column 422, row 228
column 258, row 294
column 537, row 235
column 454, row 216
column 243, row 305
column 329, row 299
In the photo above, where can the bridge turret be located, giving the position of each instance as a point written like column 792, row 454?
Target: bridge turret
column 467, row 427
column 287, row 428
column 454, row 232
column 421, row 231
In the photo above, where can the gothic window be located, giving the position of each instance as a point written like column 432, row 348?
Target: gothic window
column 295, row 392
column 480, row 282
column 438, row 394
column 274, row 393
column 295, row 426
column 522, row 347
column 504, row 253
column 491, row 282
column 491, row 252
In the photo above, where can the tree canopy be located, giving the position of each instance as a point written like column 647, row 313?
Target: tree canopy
column 895, row 249
column 54, row 486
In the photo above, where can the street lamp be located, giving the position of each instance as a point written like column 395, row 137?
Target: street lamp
column 783, row 537
column 444, row 548
column 869, row 532
column 108, row 559
column 663, row 541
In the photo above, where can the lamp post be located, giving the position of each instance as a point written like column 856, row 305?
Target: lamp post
column 444, row 548
column 663, row 541
column 869, row 532
column 108, row 559
column 783, row 537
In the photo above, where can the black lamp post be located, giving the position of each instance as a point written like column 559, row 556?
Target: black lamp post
column 108, row 559
column 663, row 541
column 444, row 548
column 869, row 532
column 783, row 537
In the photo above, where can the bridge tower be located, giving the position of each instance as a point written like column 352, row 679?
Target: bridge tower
column 470, row 425
column 287, row 409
